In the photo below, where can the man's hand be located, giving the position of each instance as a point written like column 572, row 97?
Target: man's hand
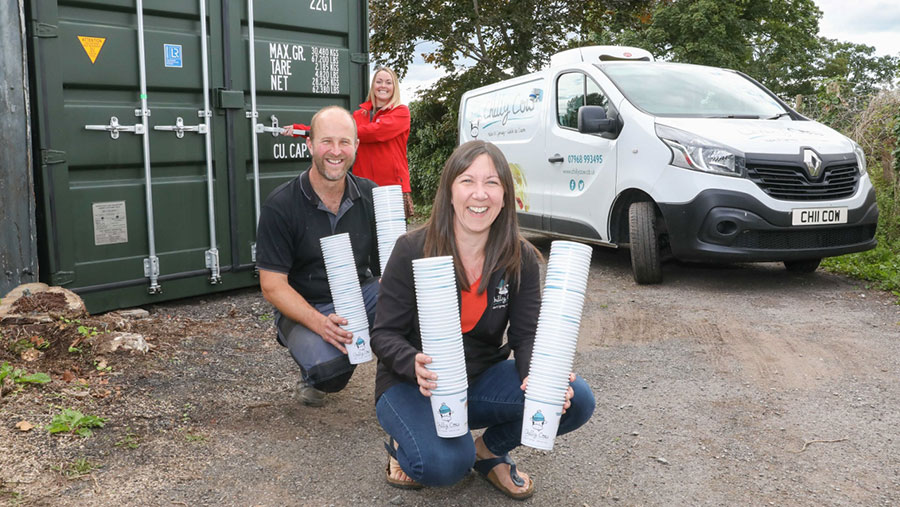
column 330, row 330
column 278, row 291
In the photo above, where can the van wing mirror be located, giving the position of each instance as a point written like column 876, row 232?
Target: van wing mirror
column 593, row 120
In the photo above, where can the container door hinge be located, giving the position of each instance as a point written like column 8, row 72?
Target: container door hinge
column 45, row 30
column 49, row 157
column 62, row 278
column 359, row 57
column 212, row 263
column 151, row 271
column 253, row 253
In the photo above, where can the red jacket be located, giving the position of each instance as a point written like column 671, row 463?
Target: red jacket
column 381, row 156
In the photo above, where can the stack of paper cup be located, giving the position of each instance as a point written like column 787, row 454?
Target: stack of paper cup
column 390, row 219
column 346, row 294
column 554, row 342
column 436, row 299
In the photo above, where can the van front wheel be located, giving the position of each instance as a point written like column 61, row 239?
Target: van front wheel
column 646, row 265
column 802, row 266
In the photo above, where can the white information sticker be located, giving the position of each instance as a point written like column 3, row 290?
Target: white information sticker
column 110, row 225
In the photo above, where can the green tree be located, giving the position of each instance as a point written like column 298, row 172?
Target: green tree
column 476, row 42
column 774, row 41
column 500, row 37
column 857, row 64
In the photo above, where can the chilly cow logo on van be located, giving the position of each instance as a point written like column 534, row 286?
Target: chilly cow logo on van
column 505, row 106
column 500, row 115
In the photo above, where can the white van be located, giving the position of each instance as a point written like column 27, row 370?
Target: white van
column 610, row 147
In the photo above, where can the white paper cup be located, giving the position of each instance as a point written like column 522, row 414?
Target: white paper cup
column 451, row 415
column 446, row 357
column 447, row 349
column 544, row 392
column 360, row 350
column 540, row 424
column 346, row 294
column 551, row 370
column 555, row 347
column 450, row 372
column 549, row 376
column 447, row 361
column 558, row 355
column 451, row 388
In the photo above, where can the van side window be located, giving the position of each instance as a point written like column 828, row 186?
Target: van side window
column 595, row 96
column 574, row 90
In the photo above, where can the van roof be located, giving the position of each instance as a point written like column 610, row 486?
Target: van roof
column 596, row 54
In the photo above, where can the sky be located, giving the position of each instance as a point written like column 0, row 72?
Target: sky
column 871, row 22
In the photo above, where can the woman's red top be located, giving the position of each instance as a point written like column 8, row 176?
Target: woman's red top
column 472, row 306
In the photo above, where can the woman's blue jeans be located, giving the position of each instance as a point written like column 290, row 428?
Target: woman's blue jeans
column 496, row 402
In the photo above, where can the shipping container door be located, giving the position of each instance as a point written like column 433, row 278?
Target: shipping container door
column 103, row 231
column 307, row 54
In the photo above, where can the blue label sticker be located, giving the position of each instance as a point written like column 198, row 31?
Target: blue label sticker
column 173, row 55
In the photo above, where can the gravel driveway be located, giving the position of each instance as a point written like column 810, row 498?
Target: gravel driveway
column 725, row 385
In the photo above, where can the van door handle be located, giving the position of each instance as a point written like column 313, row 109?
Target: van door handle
column 556, row 158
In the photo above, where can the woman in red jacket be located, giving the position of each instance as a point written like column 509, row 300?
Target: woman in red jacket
column 382, row 124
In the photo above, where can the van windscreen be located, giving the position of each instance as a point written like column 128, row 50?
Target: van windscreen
column 671, row 89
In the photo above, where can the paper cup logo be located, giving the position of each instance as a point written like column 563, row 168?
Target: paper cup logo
column 450, row 415
column 445, row 412
column 360, row 343
column 540, row 422
column 537, row 421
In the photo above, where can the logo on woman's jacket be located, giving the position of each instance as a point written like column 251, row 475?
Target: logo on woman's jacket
column 501, row 299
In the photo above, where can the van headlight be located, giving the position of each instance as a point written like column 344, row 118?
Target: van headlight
column 860, row 157
column 700, row 154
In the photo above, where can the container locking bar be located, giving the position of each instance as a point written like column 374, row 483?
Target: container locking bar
column 212, row 255
column 151, row 263
column 253, row 114
column 114, row 128
column 180, row 128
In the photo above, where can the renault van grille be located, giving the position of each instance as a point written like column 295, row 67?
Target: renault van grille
column 805, row 238
column 792, row 183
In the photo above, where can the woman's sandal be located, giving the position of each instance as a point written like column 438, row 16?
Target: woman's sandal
column 485, row 467
column 397, row 483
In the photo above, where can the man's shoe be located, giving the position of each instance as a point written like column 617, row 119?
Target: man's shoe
column 311, row 396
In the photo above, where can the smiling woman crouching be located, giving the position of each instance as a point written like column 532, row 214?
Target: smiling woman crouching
column 498, row 278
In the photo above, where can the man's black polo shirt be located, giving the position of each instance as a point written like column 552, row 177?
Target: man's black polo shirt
column 293, row 219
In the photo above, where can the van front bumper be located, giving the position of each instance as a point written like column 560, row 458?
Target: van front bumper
column 733, row 227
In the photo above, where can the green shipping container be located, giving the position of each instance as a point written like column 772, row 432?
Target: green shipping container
column 148, row 188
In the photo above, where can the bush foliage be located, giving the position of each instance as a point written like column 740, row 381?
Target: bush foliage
column 873, row 121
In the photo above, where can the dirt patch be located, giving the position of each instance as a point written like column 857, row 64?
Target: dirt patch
column 42, row 302
column 725, row 385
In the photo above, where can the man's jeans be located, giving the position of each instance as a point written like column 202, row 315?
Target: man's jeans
column 496, row 402
column 323, row 366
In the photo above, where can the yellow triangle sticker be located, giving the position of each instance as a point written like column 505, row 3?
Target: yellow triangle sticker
column 92, row 46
